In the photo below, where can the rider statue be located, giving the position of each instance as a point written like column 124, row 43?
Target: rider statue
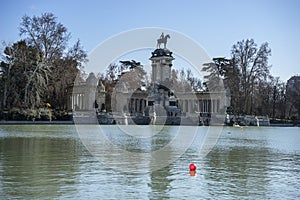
column 162, row 35
column 162, row 40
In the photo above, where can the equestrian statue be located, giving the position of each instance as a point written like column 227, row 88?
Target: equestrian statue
column 162, row 40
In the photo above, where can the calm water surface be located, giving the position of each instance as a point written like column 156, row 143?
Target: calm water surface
column 50, row 162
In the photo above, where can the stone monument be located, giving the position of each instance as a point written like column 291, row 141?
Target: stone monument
column 161, row 100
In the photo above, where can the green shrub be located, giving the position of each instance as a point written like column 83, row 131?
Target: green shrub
column 41, row 114
column 61, row 115
column 44, row 114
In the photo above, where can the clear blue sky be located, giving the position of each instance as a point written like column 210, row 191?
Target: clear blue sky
column 216, row 25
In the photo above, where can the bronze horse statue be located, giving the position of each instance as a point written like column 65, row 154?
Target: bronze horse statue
column 163, row 40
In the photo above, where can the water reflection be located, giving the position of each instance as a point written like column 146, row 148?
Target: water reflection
column 160, row 183
column 160, row 179
column 117, row 148
column 50, row 162
column 252, row 164
column 240, row 171
column 37, row 167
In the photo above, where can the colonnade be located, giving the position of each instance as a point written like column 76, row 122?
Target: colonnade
column 199, row 105
column 137, row 105
column 76, row 101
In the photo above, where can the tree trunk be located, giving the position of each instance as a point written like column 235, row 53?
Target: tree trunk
column 25, row 95
column 4, row 95
column 4, row 102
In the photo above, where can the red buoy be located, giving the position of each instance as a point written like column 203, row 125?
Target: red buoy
column 193, row 167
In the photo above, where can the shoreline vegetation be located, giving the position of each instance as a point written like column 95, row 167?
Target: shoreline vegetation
column 47, row 117
column 71, row 122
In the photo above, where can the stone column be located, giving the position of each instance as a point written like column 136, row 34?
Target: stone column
column 80, row 100
column 186, row 105
column 76, row 100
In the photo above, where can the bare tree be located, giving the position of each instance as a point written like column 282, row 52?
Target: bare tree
column 183, row 80
column 51, row 39
column 46, row 34
column 252, row 63
column 293, row 97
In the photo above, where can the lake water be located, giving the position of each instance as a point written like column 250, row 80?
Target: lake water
column 52, row 162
